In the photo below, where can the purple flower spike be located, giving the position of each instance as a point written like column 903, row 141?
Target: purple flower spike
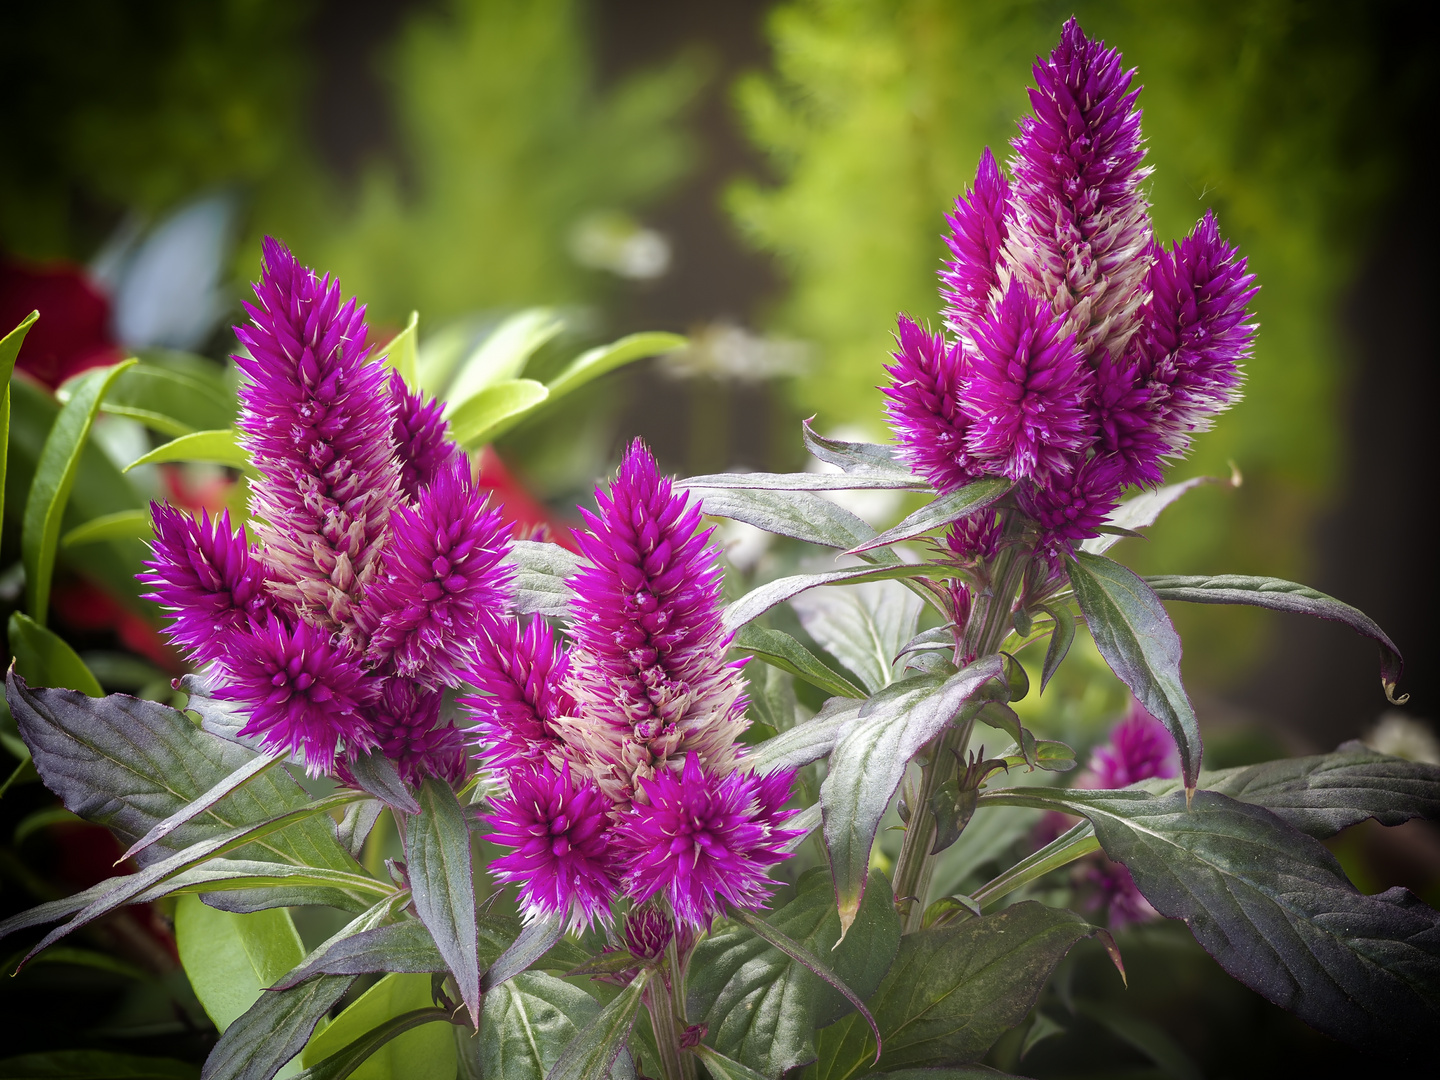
column 305, row 692
column 977, row 237
column 1081, row 229
column 204, row 575
column 1139, row 748
column 557, row 826
column 318, row 418
column 1026, row 392
column 444, row 580
column 421, row 436
column 1127, row 408
column 520, row 671
column 1196, row 333
column 648, row 666
column 1073, row 508
column 407, row 730
column 703, row 840
column 924, row 407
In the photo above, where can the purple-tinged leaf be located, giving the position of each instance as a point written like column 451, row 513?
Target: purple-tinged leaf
column 1137, row 639
column 859, row 459
column 803, row 481
column 437, row 851
column 348, row 1059
column 1280, row 595
column 800, row 515
column 257, row 1046
column 240, row 776
column 942, row 511
column 591, row 1053
column 1061, row 638
column 377, row 774
column 756, row 603
column 807, row 742
column 537, row 938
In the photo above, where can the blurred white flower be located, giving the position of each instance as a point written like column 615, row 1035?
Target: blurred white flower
column 613, row 241
column 725, row 350
column 1403, row 736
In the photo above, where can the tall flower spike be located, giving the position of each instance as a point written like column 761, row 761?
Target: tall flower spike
column 520, row 671
column 1026, row 392
column 924, row 406
column 1127, row 408
column 557, row 826
column 204, row 575
column 305, row 692
column 978, row 232
column 421, row 434
column 648, row 665
column 444, row 580
column 1196, row 333
column 1081, row 229
column 319, row 420
column 702, row 840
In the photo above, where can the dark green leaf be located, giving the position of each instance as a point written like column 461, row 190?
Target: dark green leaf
column 437, row 849
column 1275, row 909
column 172, row 402
column 404, row 946
column 868, row 763
column 1061, row 638
column 943, row 510
column 801, row 515
column 761, row 1006
column 859, row 459
column 495, row 410
column 1135, row 636
column 355, row 1053
column 542, row 581
column 94, row 1065
column 232, row 959
column 272, row 1031
column 802, row 481
column 721, row 1067
column 863, row 626
column 787, row 654
column 955, row 989
column 805, row 742
column 43, row 657
column 245, row 773
column 761, row 600
column 54, row 477
column 591, row 1053
column 527, row 1022
column 606, row 358
column 377, row 774
column 537, row 938
column 9, row 351
column 1280, row 595
column 217, row 447
column 355, row 826
column 772, row 697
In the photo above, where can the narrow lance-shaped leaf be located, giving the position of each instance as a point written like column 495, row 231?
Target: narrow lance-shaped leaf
column 1137, row 639
column 121, row 525
column 942, row 511
column 377, row 774
column 1145, row 509
column 172, row 402
column 756, row 603
column 867, row 765
column 437, row 849
column 781, row 650
column 721, row 1067
column 1280, row 595
column 858, row 459
column 805, row 742
column 42, row 656
column 257, row 1046
column 800, row 515
column 1275, row 909
column 537, row 937
column 54, row 477
column 593, row 363
column 218, row 447
column 502, row 355
column 495, row 410
column 404, row 946
column 592, row 1052
column 191, row 810
column 803, row 481
column 9, row 352
column 344, row 1062
column 1061, row 638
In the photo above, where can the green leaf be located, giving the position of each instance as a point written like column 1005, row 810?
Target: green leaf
column 94, row 1065
column 1144, row 509
column 9, row 352
column 129, row 764
column 721, row 1067
column 437, row 850
column 353, row 1060
column 942, row 511
column 54, row 477
column 761, row 1006
column 957, row 1072
column 859, row 459
column 782, row 651
column 801, row 515
column 805, row 742
column 172, row 402
column 191, row 810
column 44, row 657
column 802, row 481
column 756, row 603
column 536, row 938
column 1135, row 636
column 402, row 351
column 541, row 585
column 494, row 410
column 218, row 447
column 377, row 774
column 273, row 1030
column 121, row 525
column 863, row 626
column 1275, row 909
column 953, row 990
column 404, row 946
column 591, row 1053
column 1061, row 638
column 527, row 1022
column 868, row 763
column 593, row 363
column 1280, row 595
column 421, row 1053
column 501, row 357
column 232, row 959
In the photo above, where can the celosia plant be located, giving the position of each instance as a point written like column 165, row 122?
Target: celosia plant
column 586, row 717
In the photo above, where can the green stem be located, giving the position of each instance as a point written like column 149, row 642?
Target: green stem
column 1075, row 844
column 665, row 999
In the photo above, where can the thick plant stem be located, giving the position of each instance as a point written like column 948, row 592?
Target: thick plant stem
column 668, row 1021
column 984, row 632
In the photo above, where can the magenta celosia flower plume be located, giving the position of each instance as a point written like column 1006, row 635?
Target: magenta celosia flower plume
column 1139, row 748
column 978, row 231
column 422, row 442
column 648, row 667
column 520, row 671
column 318, row 419
column 702, row 840
column 925, row 410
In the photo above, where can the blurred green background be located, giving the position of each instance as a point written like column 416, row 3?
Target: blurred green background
column 770, row 178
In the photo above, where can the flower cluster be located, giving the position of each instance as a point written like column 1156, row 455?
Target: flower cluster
column 1079, row 354
column 618, row 759
column 378, row 562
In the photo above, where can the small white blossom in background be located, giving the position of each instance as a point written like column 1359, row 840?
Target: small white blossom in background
column 617, row 243
column 1404, row 736
column 727, row 351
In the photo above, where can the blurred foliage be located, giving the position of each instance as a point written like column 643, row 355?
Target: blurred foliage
column 1282, row 116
